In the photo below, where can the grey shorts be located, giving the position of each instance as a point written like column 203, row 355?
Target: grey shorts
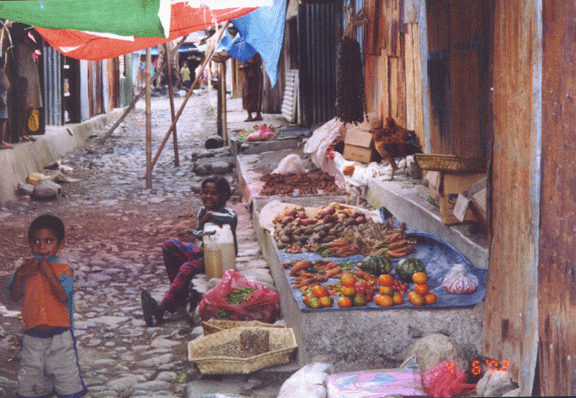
column 48, row 364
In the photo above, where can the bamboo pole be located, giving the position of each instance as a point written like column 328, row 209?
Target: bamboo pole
column 209, row 53
column 148, row 122
column 224, row 107
column 139, row 95
column 171, row 93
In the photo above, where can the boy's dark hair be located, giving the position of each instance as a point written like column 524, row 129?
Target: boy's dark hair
column 47, row 221
column 221, row 184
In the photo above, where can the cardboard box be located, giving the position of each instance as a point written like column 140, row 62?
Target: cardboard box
column 434, row 179
column 451, row 186
column 473, row 198
column 359, row 146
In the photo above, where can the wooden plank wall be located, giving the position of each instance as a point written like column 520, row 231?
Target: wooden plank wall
column 510, row 317
column 557, row 266
column 438, row 41
column 392, row 72
column 458, row 69
column 469, row 37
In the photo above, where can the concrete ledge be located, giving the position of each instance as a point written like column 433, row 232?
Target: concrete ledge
column 31, row 157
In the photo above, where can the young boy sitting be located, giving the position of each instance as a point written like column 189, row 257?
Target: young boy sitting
column 49, row 362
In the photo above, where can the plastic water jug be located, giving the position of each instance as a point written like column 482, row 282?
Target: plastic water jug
column 219, row 252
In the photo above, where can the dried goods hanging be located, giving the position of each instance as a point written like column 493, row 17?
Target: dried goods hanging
column 350, row 101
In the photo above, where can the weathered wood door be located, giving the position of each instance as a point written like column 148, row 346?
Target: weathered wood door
column 458, row 72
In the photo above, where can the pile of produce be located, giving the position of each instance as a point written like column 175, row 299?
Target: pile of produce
column 239, row 295
column 337, row 230
column 258, row 133
column 355, row 287
column 305, row 184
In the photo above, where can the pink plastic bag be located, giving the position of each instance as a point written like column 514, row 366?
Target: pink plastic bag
column 261, row 305
column 446, row 380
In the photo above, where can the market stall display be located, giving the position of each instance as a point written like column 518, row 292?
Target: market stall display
column 320, row 248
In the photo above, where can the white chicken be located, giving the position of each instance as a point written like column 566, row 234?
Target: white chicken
column 356, row 176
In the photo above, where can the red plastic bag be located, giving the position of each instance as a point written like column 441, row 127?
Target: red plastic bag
column 446, row 380
column 261, row 305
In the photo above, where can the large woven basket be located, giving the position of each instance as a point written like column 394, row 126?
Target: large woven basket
column 451, row 163
column 199, row 352
column 217, row 325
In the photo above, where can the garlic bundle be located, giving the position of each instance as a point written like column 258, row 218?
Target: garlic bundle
column 458, row 281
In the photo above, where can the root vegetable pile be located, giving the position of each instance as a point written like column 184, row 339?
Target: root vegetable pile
column 306, row 184
column 337, row 230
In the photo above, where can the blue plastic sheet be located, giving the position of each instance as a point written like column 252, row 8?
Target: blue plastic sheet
column 437, row 255
column 260, row 31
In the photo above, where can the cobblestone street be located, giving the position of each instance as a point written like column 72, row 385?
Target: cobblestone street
column 115, row 228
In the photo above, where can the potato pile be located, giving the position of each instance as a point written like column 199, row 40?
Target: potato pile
column 295, row 231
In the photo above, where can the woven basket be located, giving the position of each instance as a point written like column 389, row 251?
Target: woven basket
column 451, row 163
column 199, row 352
column 217, row 325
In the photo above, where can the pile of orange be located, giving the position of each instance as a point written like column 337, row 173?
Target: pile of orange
column 421, row 294
column 386, row 296
column 348, row 291
column 350, row 296
column 319, row 297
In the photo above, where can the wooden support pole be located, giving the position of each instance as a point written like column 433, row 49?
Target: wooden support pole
column 224, row 108
column 148, row 122
column 171, row 93
column 209, row 52
column 139, row 95
column 219, row 127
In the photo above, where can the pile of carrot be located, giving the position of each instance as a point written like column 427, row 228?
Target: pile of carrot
column 323, row 270
column 396, row 246
column 337, row 248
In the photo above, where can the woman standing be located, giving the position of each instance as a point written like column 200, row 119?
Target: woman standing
column 252, row 87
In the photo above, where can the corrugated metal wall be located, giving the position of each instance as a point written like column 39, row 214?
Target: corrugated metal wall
column 53, row 95
column 318, row 32
column 84, row 97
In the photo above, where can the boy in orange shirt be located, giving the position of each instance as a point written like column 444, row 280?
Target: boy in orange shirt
column 49, row 362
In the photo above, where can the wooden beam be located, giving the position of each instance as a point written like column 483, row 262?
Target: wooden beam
column 171, row 94
column 212, row 43
column 148, row 122
column 138, row 96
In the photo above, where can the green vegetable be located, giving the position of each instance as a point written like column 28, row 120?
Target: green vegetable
column 408, row 267
column 348, row 265
column 237, row 296
column 376, row 265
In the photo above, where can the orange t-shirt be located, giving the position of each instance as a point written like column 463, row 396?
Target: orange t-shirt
column 41, row 307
